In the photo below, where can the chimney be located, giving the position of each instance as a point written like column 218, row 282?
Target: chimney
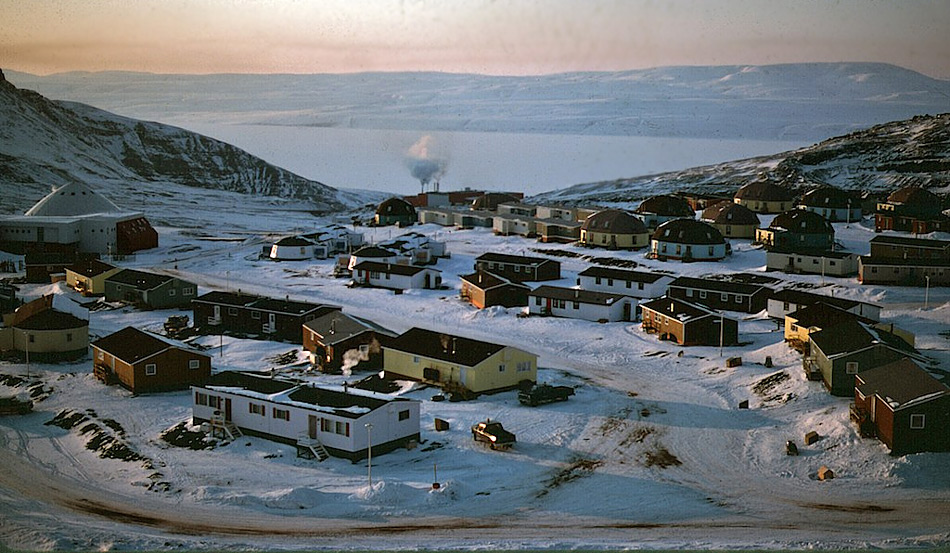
column 453, row 346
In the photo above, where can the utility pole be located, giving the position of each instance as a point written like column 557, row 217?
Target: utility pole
column 369, row 454
column 721, row 325
column 927, row 292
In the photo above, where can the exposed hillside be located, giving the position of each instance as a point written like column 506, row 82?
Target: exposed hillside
column 884, row 157
column 45, row 143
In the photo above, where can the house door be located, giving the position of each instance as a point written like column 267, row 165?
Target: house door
column 547, row 305
column 217, row 312
column 626, row 311
column 873, row 409
column 313, row 422
column 40, row 234
column 227, row 409
column 426, row 285
column 272, row 322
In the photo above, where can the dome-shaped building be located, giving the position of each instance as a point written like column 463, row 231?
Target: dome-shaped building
column 797, row 230
column 660, row 209
column 832, row 203
column 911, row 209
column 615, row 229
column 763, row 196
column 688, row 240
column 395, row 211
column 731, row 219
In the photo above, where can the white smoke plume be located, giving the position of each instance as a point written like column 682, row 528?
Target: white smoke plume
column 424, row 164
column 351, row 358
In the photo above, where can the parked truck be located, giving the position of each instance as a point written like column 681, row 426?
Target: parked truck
column 544, row 393
column 492, row 433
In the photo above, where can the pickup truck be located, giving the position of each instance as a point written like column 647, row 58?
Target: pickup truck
column 544, row 393
column 492, row 433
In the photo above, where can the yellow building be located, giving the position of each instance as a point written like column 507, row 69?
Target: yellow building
column 764, row 196
column 801, row 323
column 44, row 333
column 457, row 364
column 89, row 277
column 614, row 229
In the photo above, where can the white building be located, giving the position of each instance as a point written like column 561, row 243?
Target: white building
column 790, row 300
column 581, row 304
column 417, row 247
column 292, row 248
column 637, row 284
column 311, row 417
column 396, row 276
column 830, row 263
column 335, row 239
column 376, row 254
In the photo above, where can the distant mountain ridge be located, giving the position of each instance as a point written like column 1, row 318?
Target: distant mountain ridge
column 884, row 157
column 47, row 143
column 804, row 102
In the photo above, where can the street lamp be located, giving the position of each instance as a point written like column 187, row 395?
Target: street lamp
column 927, row 292
column 369, row 454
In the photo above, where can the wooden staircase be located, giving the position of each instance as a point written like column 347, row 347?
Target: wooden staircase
column 311, row 448
column 225, row 429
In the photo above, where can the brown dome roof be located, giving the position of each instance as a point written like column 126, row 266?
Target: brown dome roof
column 614, row 221
column 491, row 200
column 827, row 196
column 730, row 213
column 802, row 221
column 914, row 195
column 764, row 191
column 396, row 207
column 688, row 231
column 669, row 206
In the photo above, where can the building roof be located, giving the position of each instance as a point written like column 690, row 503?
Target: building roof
column 622, row 274
column 237, row 299
column 374, row 251
column 729, row 213
column 849, row 336
column 141, row 280
column 678, row 309
column 514, row 259
column 444, row 347
column 901, row 384
column 50, row 319
column 573, row 294
column 72, row 200
column 132, row 345
column 395, row 207
column 258, row 382
column 485, row 280
column 829, row 254
column 824, row 315
column 802, row 221
column 914, row 196
column 336, row 326
column 891, row 240
column 90, row 267
column 293, row 241
column 901, row 262
column 688, row 231
column 666, row 205
column 828, row 197
column 718, row 285
column 490, row 200
column 391, row 268
column 764, row 191
column 613, row 221
column 800, row 297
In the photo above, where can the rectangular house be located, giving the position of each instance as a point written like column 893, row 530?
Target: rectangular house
column 149, row 290
column 313, row 418
column 339, row 342
column 637, row 284
column 456, row 364
column 688, row 324
column 483, row 289
column 396, row 276
column 143, row 362
column 88, row 277
column 921, row 272
column 905, row 407
column 830, row 263
column 581, row 304
column 721, row 294
column 789, row 300
column 250, row 315
column 905, row 247
column 519, row 268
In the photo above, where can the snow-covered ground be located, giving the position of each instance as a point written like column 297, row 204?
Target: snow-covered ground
column 652, row 452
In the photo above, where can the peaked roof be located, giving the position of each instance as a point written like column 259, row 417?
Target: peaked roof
column 802, row 221
column 90, row 267
column 801, row 297
column 764, row 191
column 849, row 336
column 681, row 310
column 901, row 384
column 71, row 200
column 670, row 206
column 828, row 196
column 622, row 274
column 913, row 195
column 444, row 347
column 396, row 207
column 391, row 268
column 485, row 280
column 824, row 315
column 718, row 285
column 730, row 213
column 574, row 294
column 516, row 259
column 141, row 280
column 132, row 345
column 337, row 326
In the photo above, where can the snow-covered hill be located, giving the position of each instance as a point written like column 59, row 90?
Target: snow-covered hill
column 794, row 102
column 45, row 143
column 885, row 157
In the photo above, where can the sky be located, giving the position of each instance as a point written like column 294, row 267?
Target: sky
column 516, row 37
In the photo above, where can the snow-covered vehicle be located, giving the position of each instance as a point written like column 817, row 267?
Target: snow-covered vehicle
column 544, row 393
column 492, row 433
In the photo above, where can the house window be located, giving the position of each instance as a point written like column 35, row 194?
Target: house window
column 501, row 368
column 364, row 348
column 702, row 294
column 597, row 280
column 171, row 292
column 629, row 283
column 255, row 314
column 415, row 359
column 201, row 399
column 917, row 421
column 710, row 250
column 724, row 297
column 610, row 282
column 523, row 366
column 188, row 291
column 194, row 363
column 32, row 338
column 255, row 409
column 639, row 286
column 403, row 415
column 794, row 328
column 69, row 336
column 232, row 311
column 342, row 428
column 537, row 300
column 577, row 305
column 689, row 292
column 150, row 369
column 282, row 414
column 326, row 425
column 851, row 367
column 738, row 298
